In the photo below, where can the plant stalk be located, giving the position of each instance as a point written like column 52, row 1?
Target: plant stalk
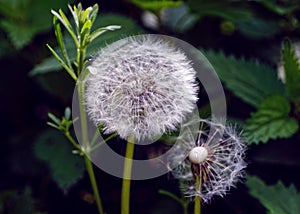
column 88, row 163
column 125, row 197
column 197, row 202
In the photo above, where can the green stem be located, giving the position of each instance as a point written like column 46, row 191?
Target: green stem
column 197, row 202
column 80, row 60
column 88, row 163
column 103, row 141
column 90, row 170
column 125, row 198
column 71, row 139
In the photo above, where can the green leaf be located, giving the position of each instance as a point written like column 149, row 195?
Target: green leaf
column 257, row 28
column 102, row 30
column 129, row 28
column 85, row 32
column 250, row 80
column 23, row 19
column 66, row 168
column 67, row 113
column 277, row 199
column 94, row 12
column 20, row 35
column 271, row 121
column 60, row 40
column 64, row 20
column 54, row 119
column 156, row 5
column 292, row 72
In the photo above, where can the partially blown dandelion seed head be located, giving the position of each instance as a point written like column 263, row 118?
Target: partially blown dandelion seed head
column 214, row 153
column 140, row 86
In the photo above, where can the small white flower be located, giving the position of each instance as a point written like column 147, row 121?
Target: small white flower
column 214, row 154
column 140, row 86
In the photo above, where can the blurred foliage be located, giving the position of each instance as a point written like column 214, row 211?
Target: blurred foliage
column 240, row 14
column 277, row 199
column 13, row 202
column 23, row 19
column 65, row 168
column 178, row 19
column 156, row 5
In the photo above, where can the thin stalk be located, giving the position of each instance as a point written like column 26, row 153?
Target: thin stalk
column 103, row 141
column 88, row 162
column 71, row 139
column 197, row 202
column 90, row 170
column 125, row 197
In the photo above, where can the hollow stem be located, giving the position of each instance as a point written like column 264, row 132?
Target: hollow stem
column 197, row 202
column 125, row 197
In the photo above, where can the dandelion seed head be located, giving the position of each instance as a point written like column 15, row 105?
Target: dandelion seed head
column 219, row 169
column 140, row 86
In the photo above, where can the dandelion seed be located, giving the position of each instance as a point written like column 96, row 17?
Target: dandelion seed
column 214, row 154
column 140, row 86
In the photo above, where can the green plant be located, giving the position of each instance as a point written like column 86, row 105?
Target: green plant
column 82, row 35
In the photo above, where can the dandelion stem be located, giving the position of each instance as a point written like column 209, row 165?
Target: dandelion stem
column 197, row 203
column 88, row 163
column 125, row 198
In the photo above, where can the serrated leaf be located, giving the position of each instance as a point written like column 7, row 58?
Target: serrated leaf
column 53, row 148
column 249, row 80
column 277, row 199
column 271, row 121
column 292, row 72
column 128, row 27
column 18, row 33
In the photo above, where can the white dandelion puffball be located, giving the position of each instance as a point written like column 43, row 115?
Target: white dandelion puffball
column 214, row 154
column 140, row 86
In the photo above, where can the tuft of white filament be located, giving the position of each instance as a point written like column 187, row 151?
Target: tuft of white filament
column 214, row 153
column 140, row 86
